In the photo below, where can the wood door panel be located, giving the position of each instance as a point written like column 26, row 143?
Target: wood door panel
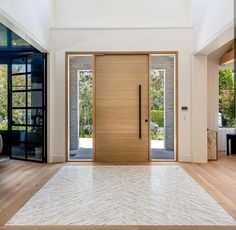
column 127, row 128
column 121, row 77
column 117, row 90
column 117, row 108
column 121, row 58
column 119, row 68
column 114, row 103
column 118, row 142
column 120, row 157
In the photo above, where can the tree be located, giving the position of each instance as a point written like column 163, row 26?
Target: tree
column 18, row 99
column 3, row 97
column 157, row 103
column 226, row 97
column 85, row 103
column 157, row 88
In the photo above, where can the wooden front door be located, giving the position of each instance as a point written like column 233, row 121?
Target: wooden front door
column 121, row 108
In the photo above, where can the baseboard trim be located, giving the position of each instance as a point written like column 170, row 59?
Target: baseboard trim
column 57, row 158
column 185, row 158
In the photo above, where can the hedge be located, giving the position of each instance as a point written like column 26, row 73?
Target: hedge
column 158, row 117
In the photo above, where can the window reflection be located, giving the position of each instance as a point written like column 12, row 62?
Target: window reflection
column 3, row 36
column 11, row 41
column 18, row 41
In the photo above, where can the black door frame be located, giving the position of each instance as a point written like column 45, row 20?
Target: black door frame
column 43, row 107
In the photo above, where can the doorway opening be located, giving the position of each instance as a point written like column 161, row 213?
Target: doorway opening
column 23, row 99
column 80, row 85
column 129, row 108
column 221, row 110
column 226, row 114
column 162, row 90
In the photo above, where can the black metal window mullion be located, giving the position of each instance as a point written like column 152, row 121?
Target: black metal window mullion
column 29, row 90
column 26, row 110
column 9, row 103
column 44, row 110
column 26, row 107
column 9, row 96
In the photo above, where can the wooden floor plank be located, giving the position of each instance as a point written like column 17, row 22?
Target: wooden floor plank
column 119, row 228
column 20, row 180
column 218, row 180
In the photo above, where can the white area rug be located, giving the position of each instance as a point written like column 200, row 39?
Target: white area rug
column 118, row 195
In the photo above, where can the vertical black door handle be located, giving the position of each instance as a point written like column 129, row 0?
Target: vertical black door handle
column 140, row 110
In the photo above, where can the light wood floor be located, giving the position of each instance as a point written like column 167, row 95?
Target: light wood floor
column 20, row 180
column 218, row 178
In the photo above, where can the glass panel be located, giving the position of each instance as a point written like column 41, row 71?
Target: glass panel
column 18, row 151
column 35, row 116
column 18, row 82
column 34, row 144
column 18, row 135
column 3, row 36
column 162, row 107
column 35, row 152
column 18, row 116
column 81, row 129
column 18, row 99
column 18, row 65
column 28, row 141
column 35, row 81
column 3, row 98
column 36, row 64
column 9, row 41
column 35, row 99
column 18, row 41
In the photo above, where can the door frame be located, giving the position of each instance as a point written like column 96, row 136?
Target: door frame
column 93, row 54
column 43, row 107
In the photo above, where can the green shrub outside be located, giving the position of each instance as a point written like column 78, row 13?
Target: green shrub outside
column 158, row 117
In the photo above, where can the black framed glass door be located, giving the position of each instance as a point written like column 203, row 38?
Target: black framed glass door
column 27, row 107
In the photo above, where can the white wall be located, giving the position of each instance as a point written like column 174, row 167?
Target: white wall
column 199, row 109
column 210, row 17
column 213, row 28
column 29, row 19
column 123, row 13
column 212, row 92
column 120, row 40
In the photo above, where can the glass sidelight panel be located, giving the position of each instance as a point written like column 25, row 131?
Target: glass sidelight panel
column 81, row 109
column 162, row 107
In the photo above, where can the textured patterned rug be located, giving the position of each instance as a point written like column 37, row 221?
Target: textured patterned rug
column 120, row 195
